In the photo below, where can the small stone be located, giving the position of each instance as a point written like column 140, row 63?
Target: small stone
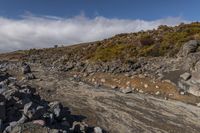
column 39, row 122
column 30, row 76
column 198, row 104
column 157, row 87
column 85, row 74
column 103, row 80
column 56, row 108
column 98, row 130
column 141, row 91
column 157, row 93
column 145, row 85
column 113, row 86
column 93, row 80
column 185, row 76
column 127, row 74
column 126, row 90
column 128, row 83
column 182, row 93
column 26, row 68
column 75, row 76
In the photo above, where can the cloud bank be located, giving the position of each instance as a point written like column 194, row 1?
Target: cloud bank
column 39, row 32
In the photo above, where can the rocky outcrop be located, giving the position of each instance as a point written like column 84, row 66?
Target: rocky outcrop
column 189, row 47
column 23, row 110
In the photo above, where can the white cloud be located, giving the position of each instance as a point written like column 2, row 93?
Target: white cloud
column 37, row 32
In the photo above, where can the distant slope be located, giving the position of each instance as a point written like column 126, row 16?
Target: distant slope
column 165, row 41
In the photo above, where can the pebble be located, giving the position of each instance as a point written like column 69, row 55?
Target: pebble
column 103, row 80
column 39, row 122
column 98, row 130
column 198, row 104
column 157, row 87
column 157, row 93
column 145, row 85
column 126, row 91
column 141, row 91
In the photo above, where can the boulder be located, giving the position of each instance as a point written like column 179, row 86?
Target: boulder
column 189, row 47
column 26, row 68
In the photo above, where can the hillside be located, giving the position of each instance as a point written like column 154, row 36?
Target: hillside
column 165, row 41
column 136, row 82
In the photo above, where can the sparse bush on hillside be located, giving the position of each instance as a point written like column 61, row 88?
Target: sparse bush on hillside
column 146, row 40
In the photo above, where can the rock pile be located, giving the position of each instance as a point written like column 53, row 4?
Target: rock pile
column 23, row 110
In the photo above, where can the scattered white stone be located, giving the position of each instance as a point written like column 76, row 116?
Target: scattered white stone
column 145, row 85
column 98, row 130
column 141, row 76
column 125, row 90
column 114, row 79
column 157, row 93
column 157, row 87
column 182, row 93
column 75, row 76
column 113, row 86
column 103, row 80
column 128, row 83
column 127, row 74
column 40, row 122
column 198, row 104
column 85, row 74
column 93, row 80
column 141, row 91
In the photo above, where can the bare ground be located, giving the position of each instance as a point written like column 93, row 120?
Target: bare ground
column 114, row 111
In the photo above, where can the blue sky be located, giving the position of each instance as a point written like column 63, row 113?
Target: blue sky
column 28, row 24
column 124, row 9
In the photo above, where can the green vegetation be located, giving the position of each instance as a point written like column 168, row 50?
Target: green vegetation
column 107, row 53
column 165, row 41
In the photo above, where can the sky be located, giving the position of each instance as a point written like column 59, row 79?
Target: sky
column 28, row 24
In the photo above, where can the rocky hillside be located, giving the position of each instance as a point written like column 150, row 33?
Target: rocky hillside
column 138, row 82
